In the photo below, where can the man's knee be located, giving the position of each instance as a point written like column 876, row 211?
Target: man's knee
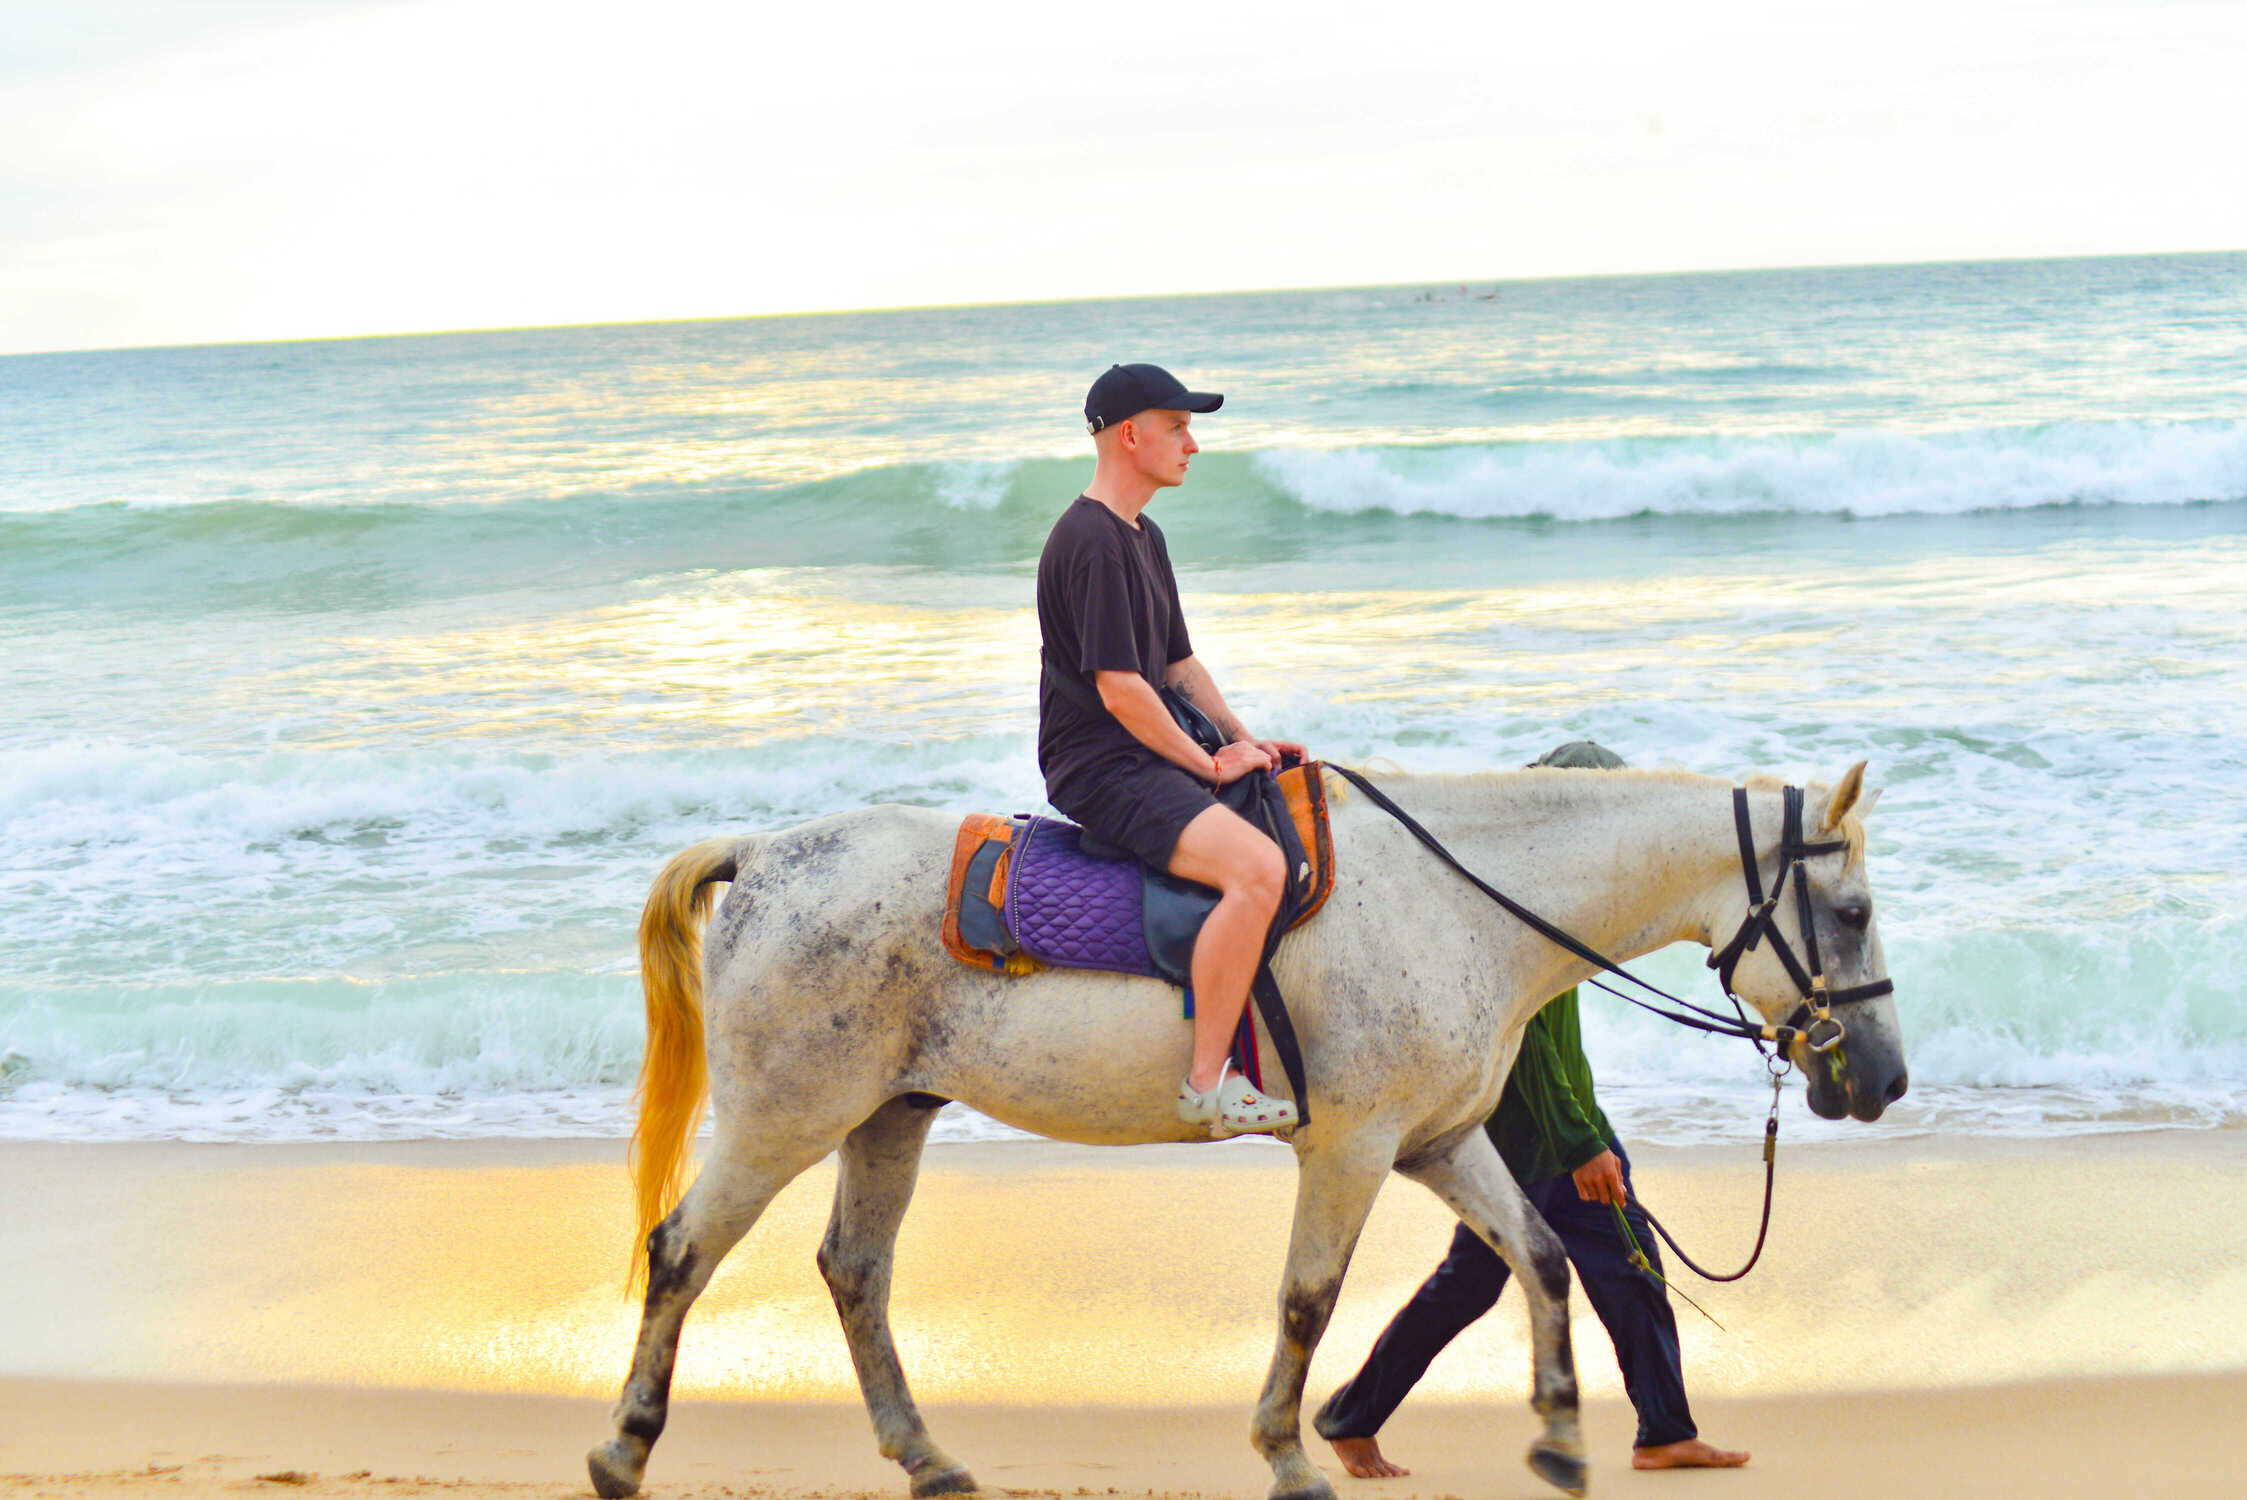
column 1264, row 880
column 1468, row 1286
column 1256, row 871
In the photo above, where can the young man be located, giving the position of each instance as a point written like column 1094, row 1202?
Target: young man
column 1114, row 759
column 1560, row 1148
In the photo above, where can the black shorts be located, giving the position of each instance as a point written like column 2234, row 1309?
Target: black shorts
column 1141, row 803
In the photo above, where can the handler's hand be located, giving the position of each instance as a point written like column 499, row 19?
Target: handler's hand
column 1238, row 759
column 1600, row 1180
column 1281, row 751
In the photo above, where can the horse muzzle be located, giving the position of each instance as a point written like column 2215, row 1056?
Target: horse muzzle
column 1869, row 1103
column 1839, row 1086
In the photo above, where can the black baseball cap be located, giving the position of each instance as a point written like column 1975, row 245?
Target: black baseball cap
column 1127, row 390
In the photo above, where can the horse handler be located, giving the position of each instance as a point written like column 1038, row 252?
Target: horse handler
column 1118, row 763
column 1560, row 1148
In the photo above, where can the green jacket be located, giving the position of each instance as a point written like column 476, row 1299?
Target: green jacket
column 1547, row 1122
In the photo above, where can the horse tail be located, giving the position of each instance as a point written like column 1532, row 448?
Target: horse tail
column 674, row 1075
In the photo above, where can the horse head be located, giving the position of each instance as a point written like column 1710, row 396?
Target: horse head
column 1827, row 978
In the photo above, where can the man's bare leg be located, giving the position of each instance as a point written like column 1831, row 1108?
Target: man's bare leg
column 1362, row 1457
column 1222, row 849
column 1690, row 1454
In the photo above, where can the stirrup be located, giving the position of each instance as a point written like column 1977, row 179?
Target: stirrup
column 1233, row 1107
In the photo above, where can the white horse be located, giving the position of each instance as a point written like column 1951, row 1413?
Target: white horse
column 836, row 1022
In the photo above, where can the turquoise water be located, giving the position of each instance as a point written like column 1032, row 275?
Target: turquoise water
column 355, row 689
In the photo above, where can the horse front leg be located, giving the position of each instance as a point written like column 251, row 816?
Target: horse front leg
column 1474, row 1182
column 880, row 1162
column 1334, row 1191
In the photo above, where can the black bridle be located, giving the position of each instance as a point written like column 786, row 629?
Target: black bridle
column 1812, row 1020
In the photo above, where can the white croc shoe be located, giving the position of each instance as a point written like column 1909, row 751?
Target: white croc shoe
column 1233, row 1107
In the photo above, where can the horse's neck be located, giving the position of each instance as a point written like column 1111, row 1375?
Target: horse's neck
column 1625, row 862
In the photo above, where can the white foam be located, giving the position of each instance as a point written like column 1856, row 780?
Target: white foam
column 295, row 945
column 972, row 485
column 158, row 866
column 1856, row 473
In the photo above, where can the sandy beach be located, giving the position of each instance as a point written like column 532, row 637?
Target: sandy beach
column 2153, row 1436
column 1932, row 1318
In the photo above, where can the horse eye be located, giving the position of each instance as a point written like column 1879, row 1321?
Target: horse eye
column 1856, row 914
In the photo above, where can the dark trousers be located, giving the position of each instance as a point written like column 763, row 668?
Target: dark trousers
column 1635, row 1310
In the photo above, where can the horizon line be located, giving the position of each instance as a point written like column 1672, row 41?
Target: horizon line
column 908, row 307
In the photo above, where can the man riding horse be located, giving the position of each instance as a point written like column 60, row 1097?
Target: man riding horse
column 824, row 1018
column 1109, row 619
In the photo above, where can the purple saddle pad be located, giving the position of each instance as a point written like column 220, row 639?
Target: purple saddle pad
column 1073, row 909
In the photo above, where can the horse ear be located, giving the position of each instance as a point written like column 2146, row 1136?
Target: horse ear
column 1866, row 803
column 1844, row 797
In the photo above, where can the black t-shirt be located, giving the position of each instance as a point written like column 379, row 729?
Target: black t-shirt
column 1107, row 602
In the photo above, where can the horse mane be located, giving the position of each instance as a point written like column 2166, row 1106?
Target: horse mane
column 1852, row 828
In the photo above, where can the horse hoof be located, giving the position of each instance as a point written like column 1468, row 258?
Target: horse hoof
column 1565, row 1472
column 614, row 1474
column 948, row 1480
column 1319, row 1490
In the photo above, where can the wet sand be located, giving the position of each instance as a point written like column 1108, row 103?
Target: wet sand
column 1931, row 1318
column 2169, row 1437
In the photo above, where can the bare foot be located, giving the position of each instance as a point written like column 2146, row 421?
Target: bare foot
column 1690, row 1454
column 1362, row 1457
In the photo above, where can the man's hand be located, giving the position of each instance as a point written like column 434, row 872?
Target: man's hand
column 1282, row 751
column 1240, row 758
column 1600, row 1180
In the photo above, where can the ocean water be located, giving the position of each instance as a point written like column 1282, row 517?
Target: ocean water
column 353, row 691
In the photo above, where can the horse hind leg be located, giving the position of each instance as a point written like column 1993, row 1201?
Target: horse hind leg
column 683, row 1253
column 1475, row 1184
column 1333, row 1194
column 880, row 1161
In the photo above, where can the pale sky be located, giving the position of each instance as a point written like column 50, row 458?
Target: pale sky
column 206, row 170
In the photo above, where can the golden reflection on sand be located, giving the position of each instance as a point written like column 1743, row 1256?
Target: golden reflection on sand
column 1073, row 1275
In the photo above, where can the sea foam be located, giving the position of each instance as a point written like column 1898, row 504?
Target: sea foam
column 1858, row 473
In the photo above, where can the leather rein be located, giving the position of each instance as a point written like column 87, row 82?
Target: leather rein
column 1812, row 1021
